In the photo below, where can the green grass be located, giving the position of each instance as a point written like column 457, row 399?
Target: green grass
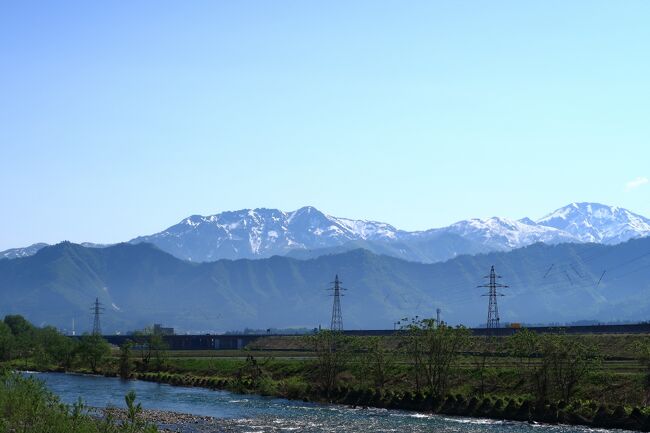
column 287, row 365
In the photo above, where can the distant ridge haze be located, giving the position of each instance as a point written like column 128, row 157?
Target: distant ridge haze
column 139, row 284
column 308, row 232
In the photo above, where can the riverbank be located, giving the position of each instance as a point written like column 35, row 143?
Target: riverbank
column 597, row 381
column 234, row 413
column 290, row 379
column 516, row 409
column 171, row 422
column 26, row 405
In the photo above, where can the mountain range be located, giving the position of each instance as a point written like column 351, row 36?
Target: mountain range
column 140, row 284
column 309, row 233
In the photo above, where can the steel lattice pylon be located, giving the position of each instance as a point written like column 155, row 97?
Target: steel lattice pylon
column 493, row 309
column 97, row 310
column 337, row 317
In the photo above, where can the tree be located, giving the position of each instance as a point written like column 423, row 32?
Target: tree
column 249, row 374
column 376, row 361
column 51, row 347
column 486, row 375
column 93, row 350
column 442, row 346
column 18, row 324
column 562, row 364
column 134, row 423
column 433, row 349
column 571, row 362
column 412, row 345
column 524, row 345
column 23, row 332
column 46, row 346
column 6, row 342
column 158, row 349
column 153, row 348
column 125, row 359
column 642, row 349
column 332, row 351
column 26, row 405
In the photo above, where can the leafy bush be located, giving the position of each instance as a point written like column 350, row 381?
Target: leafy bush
column 27, row 406
column 293, row 387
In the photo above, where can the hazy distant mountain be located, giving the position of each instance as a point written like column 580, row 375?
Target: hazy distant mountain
column 255, row 233
column 308, row 233
column 505, row 234
column 140, row 284
column 427, row 247
column 14, row 253
column 594, row 222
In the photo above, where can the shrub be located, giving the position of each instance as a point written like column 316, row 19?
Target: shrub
column 267, row 386
column 27, row 406
column 293, row 388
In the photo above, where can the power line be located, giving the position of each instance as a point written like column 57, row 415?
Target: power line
column 573, row 264
column 576, row 271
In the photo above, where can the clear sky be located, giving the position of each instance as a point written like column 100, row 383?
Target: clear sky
column 120, row 118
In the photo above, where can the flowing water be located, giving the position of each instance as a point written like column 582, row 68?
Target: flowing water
column 252, row 414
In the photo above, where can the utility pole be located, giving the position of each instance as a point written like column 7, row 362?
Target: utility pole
column 337, row 317
column 493, row 309
column 97, row 311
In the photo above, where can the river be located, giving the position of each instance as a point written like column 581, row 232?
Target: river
column 253, row 414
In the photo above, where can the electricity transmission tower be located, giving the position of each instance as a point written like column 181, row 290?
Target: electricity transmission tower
column 97, row 311
column 493, row 309
column 337, row 317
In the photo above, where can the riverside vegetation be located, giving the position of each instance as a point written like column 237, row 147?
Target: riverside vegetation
column 601, row 381
column 27, row 406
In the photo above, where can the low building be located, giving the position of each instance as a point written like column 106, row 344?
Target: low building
column 158, row 329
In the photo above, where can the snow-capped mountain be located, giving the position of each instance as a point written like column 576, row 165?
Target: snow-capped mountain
column 255, row 233
column 506, row 234
column 308, row 232
column 594, row 222
column 15, row 253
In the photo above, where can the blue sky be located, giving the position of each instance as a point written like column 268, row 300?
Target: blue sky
column 121, row 118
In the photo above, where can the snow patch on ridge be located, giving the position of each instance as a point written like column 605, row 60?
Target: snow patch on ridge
column 261, row 232
column 595, row 222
